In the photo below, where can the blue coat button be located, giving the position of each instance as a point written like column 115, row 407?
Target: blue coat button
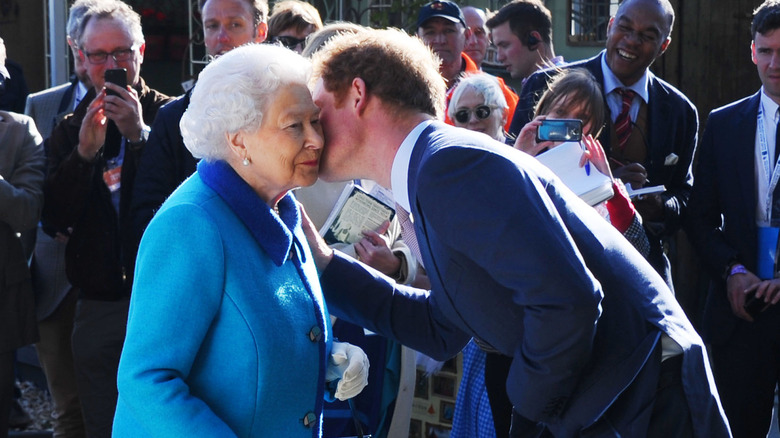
column 315, row 334
column 310, row 420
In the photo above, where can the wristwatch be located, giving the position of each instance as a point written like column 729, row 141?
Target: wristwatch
column 145, row 130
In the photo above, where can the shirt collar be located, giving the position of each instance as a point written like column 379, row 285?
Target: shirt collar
column 611, row 82
column 399, row 176
column 81, row 91
column 770, row 106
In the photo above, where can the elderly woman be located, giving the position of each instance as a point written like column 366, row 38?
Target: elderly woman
column 478, row 104
column 228, row 333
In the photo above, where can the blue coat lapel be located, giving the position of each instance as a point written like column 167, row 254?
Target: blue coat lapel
column 272, row 232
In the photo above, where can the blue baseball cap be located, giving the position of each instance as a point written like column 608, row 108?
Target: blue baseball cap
column 441, row 8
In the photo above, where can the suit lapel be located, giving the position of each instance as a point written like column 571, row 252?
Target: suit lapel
column 659, row 142
column 743, row 154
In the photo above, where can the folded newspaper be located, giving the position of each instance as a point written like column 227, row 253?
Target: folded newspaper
column 355, row 211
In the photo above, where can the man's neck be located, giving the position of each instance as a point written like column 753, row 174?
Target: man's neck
column 452, row 71
column 391, row 136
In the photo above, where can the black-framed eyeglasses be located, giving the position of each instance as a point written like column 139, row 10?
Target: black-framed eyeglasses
column 117, row 55
column 482, row 112
column 288, row 41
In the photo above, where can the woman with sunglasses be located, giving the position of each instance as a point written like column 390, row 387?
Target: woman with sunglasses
column 291, row 21
column 478, row 104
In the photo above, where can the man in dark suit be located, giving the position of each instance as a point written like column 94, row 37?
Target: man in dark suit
column 662, row 123
column 732, row 212
column 600, row 346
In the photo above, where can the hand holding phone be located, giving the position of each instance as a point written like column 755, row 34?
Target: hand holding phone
column 753, row 306
column 559, row 130
column 116, row 76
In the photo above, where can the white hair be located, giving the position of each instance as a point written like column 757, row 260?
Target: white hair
column 485, row 85
column 233, row 92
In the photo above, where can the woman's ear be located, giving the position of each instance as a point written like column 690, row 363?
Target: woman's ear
column 236, row 144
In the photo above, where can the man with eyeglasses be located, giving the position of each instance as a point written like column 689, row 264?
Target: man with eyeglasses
column 166, row 162
column 93, row 156
column 652, row 130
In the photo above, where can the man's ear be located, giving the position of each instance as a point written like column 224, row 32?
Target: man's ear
column 142, row 50
column 664, row 46
column 261, row 32
column 753, row 52
column 359, row 95
column 534, row 38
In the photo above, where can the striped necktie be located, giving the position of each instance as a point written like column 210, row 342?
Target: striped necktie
column 623, row 121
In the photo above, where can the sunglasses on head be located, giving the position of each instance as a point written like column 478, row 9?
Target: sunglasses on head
column 288, row 41
column 482, row 112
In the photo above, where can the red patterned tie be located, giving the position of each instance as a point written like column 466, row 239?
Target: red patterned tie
column 623, row 121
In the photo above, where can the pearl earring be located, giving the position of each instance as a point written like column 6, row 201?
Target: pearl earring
column 245, row 162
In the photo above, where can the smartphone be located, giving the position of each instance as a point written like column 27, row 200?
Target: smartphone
column 116, row 76
column 559, row 130
column 753, row 306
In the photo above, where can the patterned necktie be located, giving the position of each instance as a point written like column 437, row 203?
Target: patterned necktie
column 407, row 232
column 623, row 121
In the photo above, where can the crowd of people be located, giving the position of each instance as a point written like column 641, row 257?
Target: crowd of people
column 162, row 253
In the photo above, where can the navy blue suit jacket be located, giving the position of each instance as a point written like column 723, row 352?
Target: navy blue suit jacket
column 516, row 259
column 723, row 206
column 673, row 125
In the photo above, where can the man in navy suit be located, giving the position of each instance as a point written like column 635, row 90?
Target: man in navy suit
column 731, row 206
column 600, row 346
column 663, row 122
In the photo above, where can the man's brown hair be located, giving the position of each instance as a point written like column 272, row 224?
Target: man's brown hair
column 397, row 68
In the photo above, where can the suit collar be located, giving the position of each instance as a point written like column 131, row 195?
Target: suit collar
column 746, row 122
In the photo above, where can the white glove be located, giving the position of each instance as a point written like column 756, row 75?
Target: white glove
column 350, row 364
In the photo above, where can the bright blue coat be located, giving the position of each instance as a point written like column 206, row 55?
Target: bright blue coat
column 227, row 335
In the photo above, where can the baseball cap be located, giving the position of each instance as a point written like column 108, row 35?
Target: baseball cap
column 441, row 8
